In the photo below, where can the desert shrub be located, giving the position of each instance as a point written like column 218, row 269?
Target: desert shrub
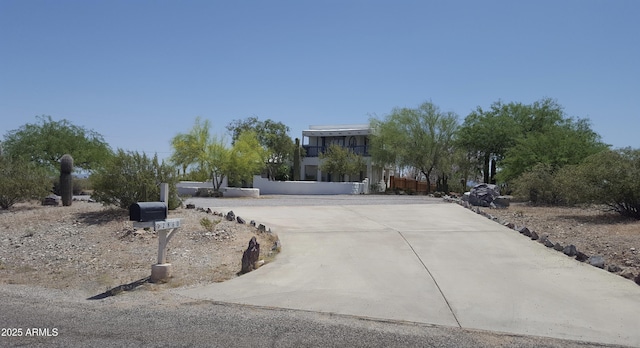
column 566, row 182
column 610, row 178
column 80, row 186
column 538, row 186
column 376, row 187
column 208, row 224
column 130, row 177
column 21, row 180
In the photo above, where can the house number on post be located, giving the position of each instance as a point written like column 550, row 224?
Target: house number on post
column 154, row 215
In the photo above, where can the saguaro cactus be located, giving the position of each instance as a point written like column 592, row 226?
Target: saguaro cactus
column 66, row 180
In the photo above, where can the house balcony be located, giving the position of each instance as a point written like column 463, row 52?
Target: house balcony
column 315, row 151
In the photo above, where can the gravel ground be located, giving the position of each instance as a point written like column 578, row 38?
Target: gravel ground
column 94, row 249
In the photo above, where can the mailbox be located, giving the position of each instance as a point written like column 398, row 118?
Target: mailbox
column 147, row 211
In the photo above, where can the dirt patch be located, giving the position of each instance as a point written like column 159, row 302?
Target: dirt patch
column 92, row 248
column 591, row 229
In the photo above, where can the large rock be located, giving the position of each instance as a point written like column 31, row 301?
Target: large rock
column 614, row 268
column 546, row 241
column 597, row 261
column 250, row 256
column 525, row 231
column 51, row 200
column 582, row 257
column 483, row 195
column 570, row 250
column 502, row 202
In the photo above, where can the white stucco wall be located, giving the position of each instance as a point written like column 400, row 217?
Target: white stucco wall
column 189, row 188
column 268, row 187
column 240, row 192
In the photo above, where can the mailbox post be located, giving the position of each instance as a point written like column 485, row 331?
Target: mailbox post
column 154, row 215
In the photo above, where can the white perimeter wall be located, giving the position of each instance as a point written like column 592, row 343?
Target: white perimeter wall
column 189, row 188
column 268, row 187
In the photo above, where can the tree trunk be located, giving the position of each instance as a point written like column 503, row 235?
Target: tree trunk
column 445, row 184
column 216, row 182
column 493, row 171
column 426, row 175
column 485, row 168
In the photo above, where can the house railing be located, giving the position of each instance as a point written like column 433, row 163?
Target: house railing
column 315, row 151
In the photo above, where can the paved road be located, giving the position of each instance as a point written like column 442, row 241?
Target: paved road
column 143, row 319
column 415, row 260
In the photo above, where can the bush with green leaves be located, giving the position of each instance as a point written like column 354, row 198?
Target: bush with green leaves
column 538, row 186
column 130, row 177
column 610, row 177
column 208, row 224
column 21, row 180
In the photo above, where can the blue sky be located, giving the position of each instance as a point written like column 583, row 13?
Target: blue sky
column 139, row 72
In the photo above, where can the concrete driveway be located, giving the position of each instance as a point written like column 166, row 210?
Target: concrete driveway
column 429, row 263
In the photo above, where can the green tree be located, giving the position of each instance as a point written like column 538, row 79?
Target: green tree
column 564, row 142
column 213, row 160
column 46, row 141
column 512, row 138
column 339, row 162
column 21, row 180
column 275, row 140
column 130, row 177
column 247, row 158
column 419, row 138
column 458, row 166
column 384, row 143
column 487, row 134
column 188, row 148
column 206, row 154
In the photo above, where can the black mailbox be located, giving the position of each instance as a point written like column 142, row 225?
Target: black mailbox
column 147, row 211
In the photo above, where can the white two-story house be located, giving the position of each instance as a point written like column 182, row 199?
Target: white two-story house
column 355, row 137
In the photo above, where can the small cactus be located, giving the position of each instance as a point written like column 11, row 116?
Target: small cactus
column 66, row 180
